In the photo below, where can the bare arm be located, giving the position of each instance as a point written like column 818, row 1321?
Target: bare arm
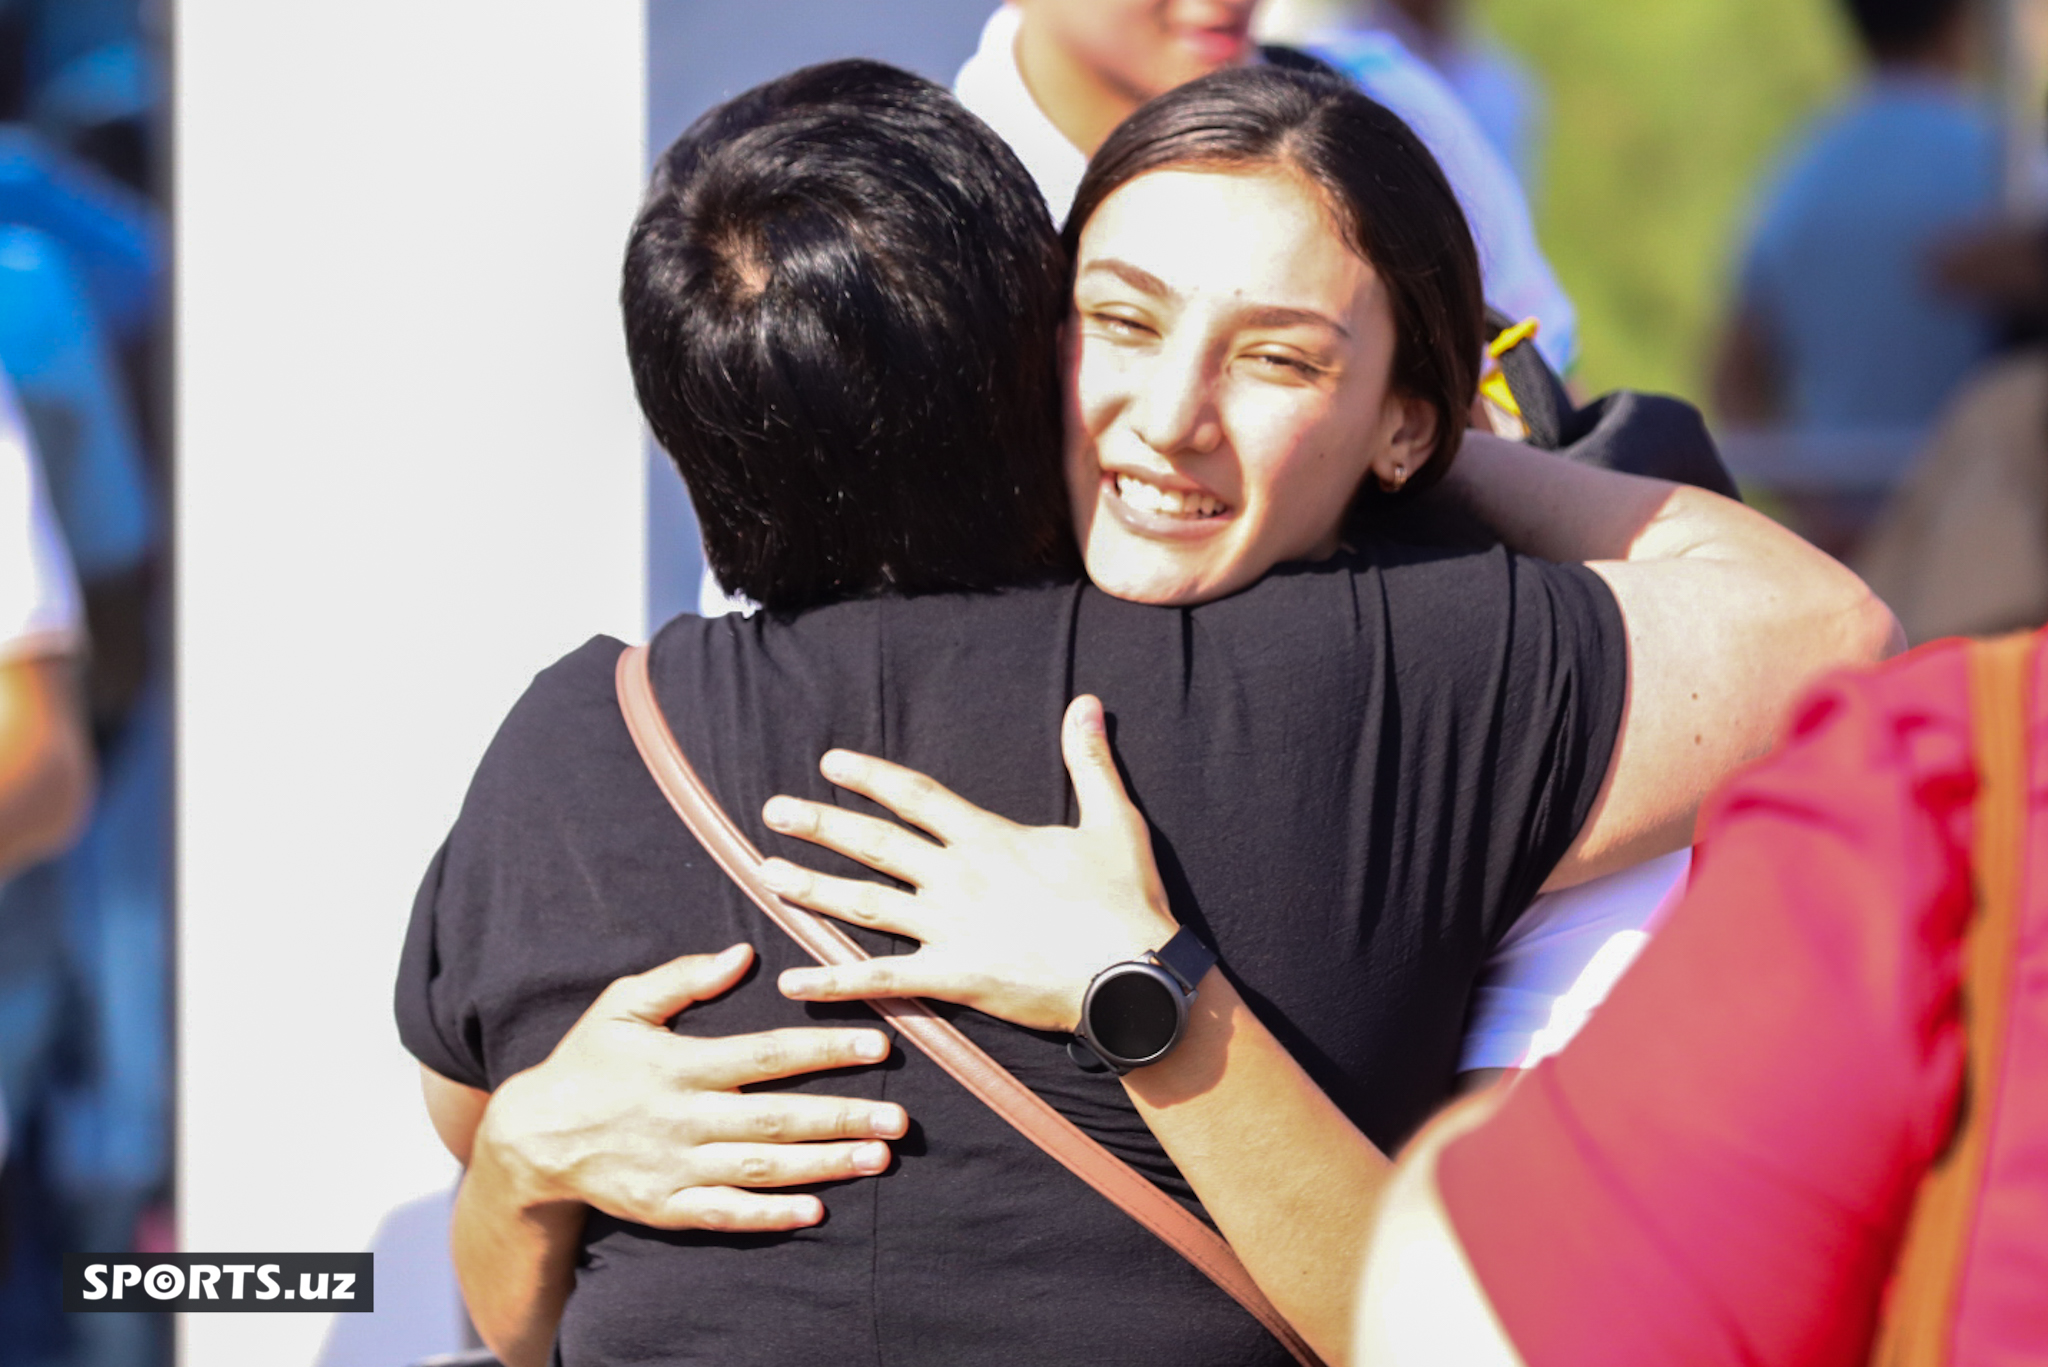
column 649, row 1126
column 45, row 760
column 1729, row 618
column 515, row 1257
column 1291, row 1182
column 1419, row 1303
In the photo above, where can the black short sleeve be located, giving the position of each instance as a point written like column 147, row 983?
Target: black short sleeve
column 1512, row 674
column 434, row 1022
column 509, row 898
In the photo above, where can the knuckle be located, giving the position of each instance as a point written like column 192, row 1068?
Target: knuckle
column 771, row 1126
column 769, row 1054
column 716, row 1215
column 754, row 1169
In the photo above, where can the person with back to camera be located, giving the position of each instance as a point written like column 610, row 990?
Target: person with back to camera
column 1839, row 323
column 1327, row 716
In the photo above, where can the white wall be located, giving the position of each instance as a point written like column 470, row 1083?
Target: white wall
column 409, row 475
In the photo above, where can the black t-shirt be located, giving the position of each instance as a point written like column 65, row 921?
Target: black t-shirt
column 1357, row 773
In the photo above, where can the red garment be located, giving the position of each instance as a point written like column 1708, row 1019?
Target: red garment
column 1718, row 1169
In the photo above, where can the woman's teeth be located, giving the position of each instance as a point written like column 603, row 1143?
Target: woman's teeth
column 1150, row 498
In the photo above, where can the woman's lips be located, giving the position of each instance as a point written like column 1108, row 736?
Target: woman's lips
column 1165, row 514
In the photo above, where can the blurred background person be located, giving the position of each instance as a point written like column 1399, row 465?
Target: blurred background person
column 84, row 986
column 1839, row 335
column 45, row 755
column 1725, row 1165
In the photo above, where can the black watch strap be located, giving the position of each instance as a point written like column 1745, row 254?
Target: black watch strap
column 1187, row 958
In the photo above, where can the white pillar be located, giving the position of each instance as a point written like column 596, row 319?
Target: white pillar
column 408, row 476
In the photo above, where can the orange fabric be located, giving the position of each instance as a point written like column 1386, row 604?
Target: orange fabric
column 1920, row 1308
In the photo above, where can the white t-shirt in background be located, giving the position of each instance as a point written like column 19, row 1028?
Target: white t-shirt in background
column 39, row 601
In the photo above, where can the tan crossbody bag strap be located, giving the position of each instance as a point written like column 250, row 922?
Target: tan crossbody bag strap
column 1918, row 1329
column 951, row 1050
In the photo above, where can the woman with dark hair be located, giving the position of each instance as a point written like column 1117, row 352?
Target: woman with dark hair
column 1232, row 408
column 1393, row 746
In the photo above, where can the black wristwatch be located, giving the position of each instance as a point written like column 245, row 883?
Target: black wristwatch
column 1136, row 1011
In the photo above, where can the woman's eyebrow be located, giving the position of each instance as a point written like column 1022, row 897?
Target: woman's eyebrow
column 1135, row 277
column 1280, row 316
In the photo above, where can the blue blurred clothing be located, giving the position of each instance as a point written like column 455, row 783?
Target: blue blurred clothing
column 61, row 31
column 51, row 344
column 1496, row 89
column 114, row 81
column 1518, row 278
column 1836, row 273
column 115, row 237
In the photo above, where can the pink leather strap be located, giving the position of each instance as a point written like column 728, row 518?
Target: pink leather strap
column 951, row 1050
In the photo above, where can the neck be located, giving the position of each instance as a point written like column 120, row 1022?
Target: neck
column 1082, row 103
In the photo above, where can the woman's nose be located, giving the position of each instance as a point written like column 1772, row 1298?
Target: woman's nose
column 1176, row 412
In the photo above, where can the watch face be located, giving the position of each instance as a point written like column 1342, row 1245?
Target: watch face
column 1133, row 1015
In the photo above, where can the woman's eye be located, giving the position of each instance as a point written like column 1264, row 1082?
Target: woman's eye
column 1117, row 325
column 1283, row 366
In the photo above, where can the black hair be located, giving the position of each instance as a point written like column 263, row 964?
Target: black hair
column 1899, row 28
column 842, row 299
column 1385, row 191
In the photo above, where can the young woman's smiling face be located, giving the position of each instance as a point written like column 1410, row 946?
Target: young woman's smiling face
column 1227, row 383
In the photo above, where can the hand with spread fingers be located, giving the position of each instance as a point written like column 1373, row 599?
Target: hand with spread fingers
column 651, row 1126
column 1015, row 920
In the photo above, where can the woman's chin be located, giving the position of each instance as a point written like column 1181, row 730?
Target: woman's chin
column 1151, row 577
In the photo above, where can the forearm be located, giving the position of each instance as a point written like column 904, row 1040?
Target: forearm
column 45, row 761
column 1290, row 1181
column 515, row 1257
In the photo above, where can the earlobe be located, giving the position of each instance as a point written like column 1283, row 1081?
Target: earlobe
column 1409, row 445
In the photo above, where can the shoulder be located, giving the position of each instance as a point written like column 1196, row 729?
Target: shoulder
column 562, row 728
column 1452, row 603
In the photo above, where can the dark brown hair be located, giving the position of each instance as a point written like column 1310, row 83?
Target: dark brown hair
column 1388, row 196
column 842, row 301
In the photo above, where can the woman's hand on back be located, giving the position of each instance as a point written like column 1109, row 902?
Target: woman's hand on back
column 1015, row 920
column 650, row 1126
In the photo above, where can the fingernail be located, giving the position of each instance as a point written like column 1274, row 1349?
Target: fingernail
column 728, row 957
column 873, row 1048
column 780, row 813
column 871, row 1158
column 888, row 1120
column 810, row 1210
column 1088, row 716
column 780, row 876
column 794, row 983
column 834, row 764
